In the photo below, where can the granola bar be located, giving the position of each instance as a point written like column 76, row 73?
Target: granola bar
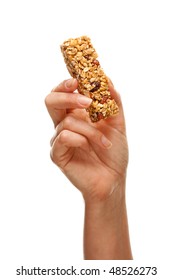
column 81, row 61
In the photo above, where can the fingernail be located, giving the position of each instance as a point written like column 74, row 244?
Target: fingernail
column 83, row 100
column 70, row 83
column 106, row 142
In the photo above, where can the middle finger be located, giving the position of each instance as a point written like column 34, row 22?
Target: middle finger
column 58, row 102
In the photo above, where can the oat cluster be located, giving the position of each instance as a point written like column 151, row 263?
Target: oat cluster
column 82, row 63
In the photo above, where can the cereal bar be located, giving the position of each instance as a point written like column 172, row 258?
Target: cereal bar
column 81, row 61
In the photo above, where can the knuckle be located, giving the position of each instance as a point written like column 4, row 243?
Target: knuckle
column 67, row 122
column 95, row 134
column 47, row 101
column 69, row 100
column 63, row 136
column 84, row 142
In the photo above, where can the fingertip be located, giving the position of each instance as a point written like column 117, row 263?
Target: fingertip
column 67, row 86
column 70, row 83
column 114, row 93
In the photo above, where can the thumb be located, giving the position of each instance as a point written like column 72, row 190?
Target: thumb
column 119, row 119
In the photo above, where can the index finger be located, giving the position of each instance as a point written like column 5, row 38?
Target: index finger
column 62, row 98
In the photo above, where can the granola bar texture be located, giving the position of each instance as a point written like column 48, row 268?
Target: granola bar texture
column 82, row 63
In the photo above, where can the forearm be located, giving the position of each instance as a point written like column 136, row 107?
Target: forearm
column 106, row 233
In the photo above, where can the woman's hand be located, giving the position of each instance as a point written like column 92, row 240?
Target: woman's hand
column 93, row 156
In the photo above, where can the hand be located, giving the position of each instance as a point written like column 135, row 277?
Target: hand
column 93, row 156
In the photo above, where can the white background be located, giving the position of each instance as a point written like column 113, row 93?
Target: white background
column 41, row 212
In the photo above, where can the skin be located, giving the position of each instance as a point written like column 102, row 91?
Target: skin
column 94, row 157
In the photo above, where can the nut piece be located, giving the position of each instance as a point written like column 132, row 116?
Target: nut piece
column 81, row 61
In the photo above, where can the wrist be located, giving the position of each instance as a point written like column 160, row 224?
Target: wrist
column 107, row 191
column 111, row 204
